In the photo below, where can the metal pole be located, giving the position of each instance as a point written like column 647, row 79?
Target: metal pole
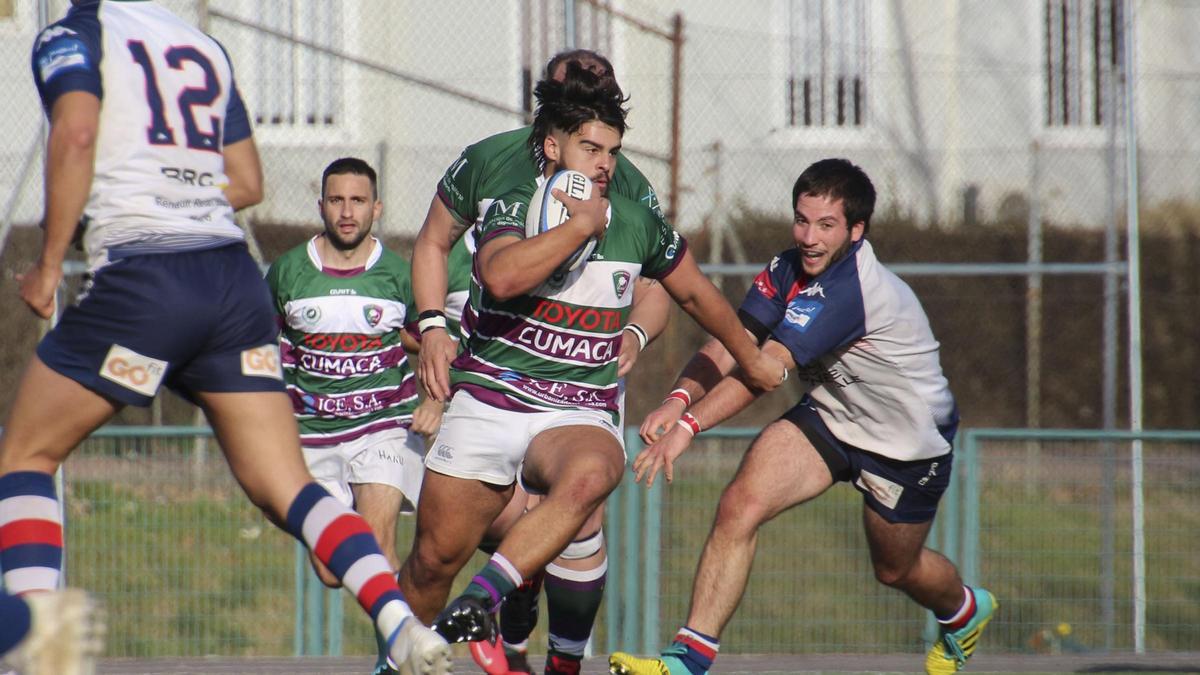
column 569, row 23
column 676, row 112
column 1033, row 318
column 1111, row 345
column 1133, row 255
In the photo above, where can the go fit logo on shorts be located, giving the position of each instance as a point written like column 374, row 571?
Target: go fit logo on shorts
column 132, row 370
column 262, row 362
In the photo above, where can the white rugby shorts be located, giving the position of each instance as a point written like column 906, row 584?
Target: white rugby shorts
column 390, row 457
column 481, row 442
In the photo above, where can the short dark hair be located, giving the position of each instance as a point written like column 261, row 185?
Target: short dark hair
column 590, row 60
column 582, row 97
column 350, row 165
column 839, row 179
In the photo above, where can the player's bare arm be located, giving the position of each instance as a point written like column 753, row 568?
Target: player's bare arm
column 649, row 314
column 70, row 156
column 702, row 372
column 729, row 397
column 430, row 266
column 244, row 171
column 511, row 266
column 699, row 298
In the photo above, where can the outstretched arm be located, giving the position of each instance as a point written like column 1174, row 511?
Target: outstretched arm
column 699, row 298
column 702, row 372
column 729, row 397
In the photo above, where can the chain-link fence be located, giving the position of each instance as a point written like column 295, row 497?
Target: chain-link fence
column 1000, row 124
column 994, row 132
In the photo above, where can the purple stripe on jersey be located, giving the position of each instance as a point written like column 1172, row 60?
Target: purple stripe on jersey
column 543, row 340
column 494, row 398
column 683, row 247
column 326, row 440
column 550, row 392
column 499, row 232
column 342, row 274
column 341, row 365
column 353, row 404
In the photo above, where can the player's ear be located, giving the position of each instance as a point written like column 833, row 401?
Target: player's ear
column 550, row 148
column 857, row 230
column 377, row 210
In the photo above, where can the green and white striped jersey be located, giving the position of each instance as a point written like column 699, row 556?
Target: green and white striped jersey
column 345, row 369
column 556, row 347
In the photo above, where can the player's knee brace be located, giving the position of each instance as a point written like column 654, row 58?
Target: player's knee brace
column 584, row 548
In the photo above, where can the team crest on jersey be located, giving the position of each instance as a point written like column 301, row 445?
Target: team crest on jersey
column 311, row 315
column 620, row 283
column 373, row 314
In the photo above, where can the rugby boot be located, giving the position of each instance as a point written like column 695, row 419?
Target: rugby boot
column 489, row 655
column 465, row 620
column 950, row 653
column 560, row 665
column 667, row 663
column 66, row 635
column 419, row 650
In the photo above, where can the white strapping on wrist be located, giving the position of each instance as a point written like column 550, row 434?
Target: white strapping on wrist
column 640, row 333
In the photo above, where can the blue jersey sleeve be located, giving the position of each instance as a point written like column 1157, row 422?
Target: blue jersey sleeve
column 767, row 298
column 66, row 56
column 237, row 120
column 824, row 313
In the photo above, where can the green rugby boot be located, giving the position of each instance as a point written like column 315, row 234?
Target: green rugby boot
column 950, row 653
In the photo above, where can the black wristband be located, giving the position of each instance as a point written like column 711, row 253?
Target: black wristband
column 430, row 313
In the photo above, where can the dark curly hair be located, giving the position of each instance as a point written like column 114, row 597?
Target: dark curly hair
column 839, row 179
column 583, row 96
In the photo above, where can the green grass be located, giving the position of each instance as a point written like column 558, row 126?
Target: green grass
column 188, row 567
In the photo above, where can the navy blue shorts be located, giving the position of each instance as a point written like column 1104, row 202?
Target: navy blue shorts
column 197, row 321
column 901, row 492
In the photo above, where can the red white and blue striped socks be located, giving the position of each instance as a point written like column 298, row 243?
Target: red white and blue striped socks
column 963, row 616
column 701, row 650
column 31, row 533
column 343, row 541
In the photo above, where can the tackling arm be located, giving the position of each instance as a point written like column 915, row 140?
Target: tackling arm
column 730, row 396
column 699, row 298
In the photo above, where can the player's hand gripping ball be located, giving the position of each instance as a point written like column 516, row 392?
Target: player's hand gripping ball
column 546, row 213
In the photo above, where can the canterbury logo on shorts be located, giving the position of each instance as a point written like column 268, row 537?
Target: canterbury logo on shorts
column 133, row 370
column 262, row 362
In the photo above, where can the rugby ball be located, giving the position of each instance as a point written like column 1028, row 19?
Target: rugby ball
column 546, row 213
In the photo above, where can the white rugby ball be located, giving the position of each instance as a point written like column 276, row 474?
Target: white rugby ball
column 546, row 212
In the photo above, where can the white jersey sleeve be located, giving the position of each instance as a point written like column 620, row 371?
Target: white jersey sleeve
column 169, row 105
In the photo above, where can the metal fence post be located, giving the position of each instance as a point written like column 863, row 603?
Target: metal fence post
column 630, row 584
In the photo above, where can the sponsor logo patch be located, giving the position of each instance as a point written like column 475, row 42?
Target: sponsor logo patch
column 133, row 371
column 262, row 362
column 66, row 53
column 883, row 490
column 800, row 314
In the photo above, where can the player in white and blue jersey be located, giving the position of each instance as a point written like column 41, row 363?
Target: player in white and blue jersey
column 150, row 147
column 877, row 412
